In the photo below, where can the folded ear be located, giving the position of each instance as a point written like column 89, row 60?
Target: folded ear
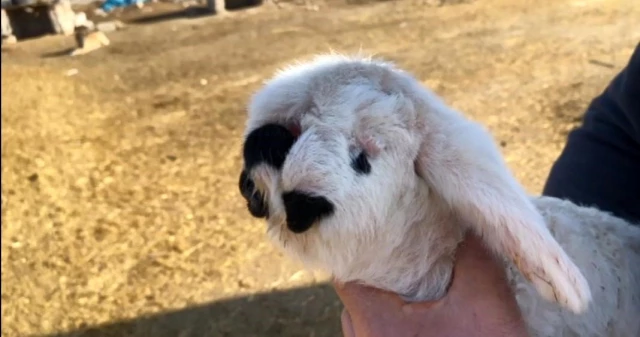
column 462, row 164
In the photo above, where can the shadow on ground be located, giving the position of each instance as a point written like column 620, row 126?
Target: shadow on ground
column 312, row 311
column 187, row 13
column 59, row 53
column 194, row 12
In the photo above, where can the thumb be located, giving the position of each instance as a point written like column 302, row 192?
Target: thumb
column 357, row 297
column 347, row 324
column 476, row 273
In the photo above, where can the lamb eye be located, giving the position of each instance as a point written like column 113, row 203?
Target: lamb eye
column 361, row 164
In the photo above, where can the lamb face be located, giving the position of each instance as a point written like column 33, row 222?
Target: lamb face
column 329, row 161
column 363, row 172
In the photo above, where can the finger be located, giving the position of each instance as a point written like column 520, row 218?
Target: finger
column 358, row 296
column 347, row 325
column 472, row 260
column 477, row 272
column 368, row 302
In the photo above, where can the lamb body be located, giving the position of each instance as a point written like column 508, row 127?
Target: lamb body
column 363, row 172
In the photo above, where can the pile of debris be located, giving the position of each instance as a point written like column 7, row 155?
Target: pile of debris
column 31, row 18
column 90, row 36
column 23, row 19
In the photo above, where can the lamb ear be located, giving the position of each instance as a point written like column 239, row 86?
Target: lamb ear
column 462, row 164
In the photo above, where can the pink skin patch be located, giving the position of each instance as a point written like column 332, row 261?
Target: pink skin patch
column 295, row 129
column 370, row 145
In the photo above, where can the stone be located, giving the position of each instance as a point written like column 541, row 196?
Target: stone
column 109, row 26
column 71, row 72
column 6, row 25
column 217, row 6
column 99, row 12
column 11, row 39
column 63, row 17
column 80, row 19
column 90, row 25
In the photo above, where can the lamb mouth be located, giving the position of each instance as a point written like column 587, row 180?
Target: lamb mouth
column 256, row 203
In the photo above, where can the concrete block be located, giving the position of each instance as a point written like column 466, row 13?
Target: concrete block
column 6, row 25
column 63, row 17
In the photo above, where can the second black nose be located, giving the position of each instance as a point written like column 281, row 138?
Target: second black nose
column 303, row 210
column 268, row 144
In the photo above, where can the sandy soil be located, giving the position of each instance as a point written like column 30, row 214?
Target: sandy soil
column 120, row 211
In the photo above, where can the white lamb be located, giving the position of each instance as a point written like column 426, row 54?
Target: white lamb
column 362, row 172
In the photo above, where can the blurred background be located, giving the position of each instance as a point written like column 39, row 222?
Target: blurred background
column 120, row 210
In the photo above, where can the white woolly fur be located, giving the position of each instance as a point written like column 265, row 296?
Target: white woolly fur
column 434, row 175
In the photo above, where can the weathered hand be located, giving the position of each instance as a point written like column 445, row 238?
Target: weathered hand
column 479, row 303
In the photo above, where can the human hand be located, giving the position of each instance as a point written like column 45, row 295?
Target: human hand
column 479, row 303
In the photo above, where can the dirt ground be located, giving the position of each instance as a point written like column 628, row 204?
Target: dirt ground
column 120, row 210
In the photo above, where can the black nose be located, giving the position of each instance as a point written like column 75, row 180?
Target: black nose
column 255, row 201
column 269, row 144
column 303, row 210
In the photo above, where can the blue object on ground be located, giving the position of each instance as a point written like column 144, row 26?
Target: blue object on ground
column 109, row 5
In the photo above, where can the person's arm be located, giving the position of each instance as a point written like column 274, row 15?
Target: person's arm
column 600, row 164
